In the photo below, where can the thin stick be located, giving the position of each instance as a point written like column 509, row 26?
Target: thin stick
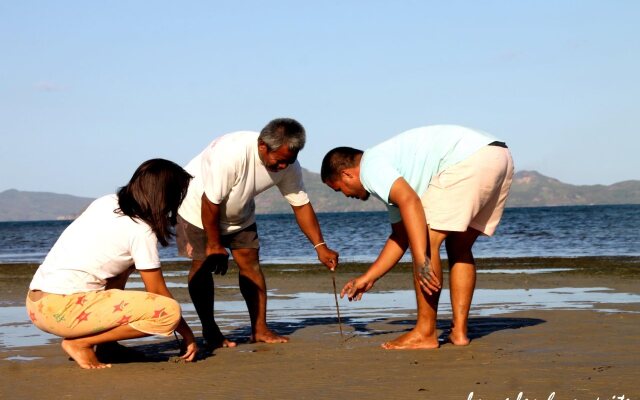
column 335, row 296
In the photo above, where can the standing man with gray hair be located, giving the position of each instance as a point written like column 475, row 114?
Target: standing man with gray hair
column 219, row 213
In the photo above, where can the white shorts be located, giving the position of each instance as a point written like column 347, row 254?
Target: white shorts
column 471, row 193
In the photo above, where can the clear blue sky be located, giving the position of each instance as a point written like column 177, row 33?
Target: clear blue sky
column 89, row 90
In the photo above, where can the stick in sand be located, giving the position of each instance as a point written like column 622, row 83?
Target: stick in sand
column 335, row 296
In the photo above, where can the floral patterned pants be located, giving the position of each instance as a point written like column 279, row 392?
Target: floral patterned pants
column 90, row 313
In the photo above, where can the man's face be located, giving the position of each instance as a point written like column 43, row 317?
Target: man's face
column 350, row 186
column 278, row 159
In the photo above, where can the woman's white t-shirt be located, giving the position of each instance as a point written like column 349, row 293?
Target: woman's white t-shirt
column 98, row 245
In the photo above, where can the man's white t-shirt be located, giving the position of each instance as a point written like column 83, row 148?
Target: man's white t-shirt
column 231, row 174
column 98, row 245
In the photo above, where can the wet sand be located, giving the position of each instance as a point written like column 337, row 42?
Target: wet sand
column 576, row 353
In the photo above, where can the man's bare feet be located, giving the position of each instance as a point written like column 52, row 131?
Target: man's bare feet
column 216, row 340
column 268, row 336
column 412, row 340
column 217, row 343
column 83, row 355
column 458, row 338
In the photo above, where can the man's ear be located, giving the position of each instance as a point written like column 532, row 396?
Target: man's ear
column 346, row 173
column 262, row 147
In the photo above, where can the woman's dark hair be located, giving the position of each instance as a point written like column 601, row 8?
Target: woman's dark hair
column 154, row 194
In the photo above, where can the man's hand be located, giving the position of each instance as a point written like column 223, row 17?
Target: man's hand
column 355, row 288
column 217, row 262
column 328, row 257
column 427, row 277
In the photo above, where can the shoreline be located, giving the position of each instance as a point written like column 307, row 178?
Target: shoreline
column 608, row 261
column 580, row 353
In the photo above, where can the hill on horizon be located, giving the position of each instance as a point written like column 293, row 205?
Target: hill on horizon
column 529, row 189
column 16, row 205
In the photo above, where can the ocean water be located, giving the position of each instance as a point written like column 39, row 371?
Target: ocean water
column 359, row 236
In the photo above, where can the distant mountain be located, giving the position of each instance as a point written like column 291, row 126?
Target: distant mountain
column 39, row 206
column 323, row 199
column 529, row 189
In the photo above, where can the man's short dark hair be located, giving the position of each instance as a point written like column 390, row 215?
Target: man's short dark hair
column 336, row 161
column 283, row 131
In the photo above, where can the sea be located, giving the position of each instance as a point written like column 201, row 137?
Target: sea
column 567, row 231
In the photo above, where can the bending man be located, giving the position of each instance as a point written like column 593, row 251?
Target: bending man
column 219, row 213
column 440, row 183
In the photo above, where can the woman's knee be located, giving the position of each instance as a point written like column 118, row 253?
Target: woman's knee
column 163, row 318
column 174, row 312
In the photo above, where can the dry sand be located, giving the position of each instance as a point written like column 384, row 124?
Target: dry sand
column 541, row 353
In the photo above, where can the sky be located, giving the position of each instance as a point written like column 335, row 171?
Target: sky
column 89, row 90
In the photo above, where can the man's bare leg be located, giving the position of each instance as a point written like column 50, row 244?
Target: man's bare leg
column 462, row 282
column 254, row 291
column 81, row 349
column 201, row 291
column 424, row 334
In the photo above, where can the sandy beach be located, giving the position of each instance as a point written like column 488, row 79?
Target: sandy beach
column 563, row 328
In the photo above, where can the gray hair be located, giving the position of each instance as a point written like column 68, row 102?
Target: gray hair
column 281, row 131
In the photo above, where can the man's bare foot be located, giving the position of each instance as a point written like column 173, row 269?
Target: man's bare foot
column 268, row 337
column 216, row 340
column 459, row 338
column 218, row 343
column 412, row 341
column 83, row 355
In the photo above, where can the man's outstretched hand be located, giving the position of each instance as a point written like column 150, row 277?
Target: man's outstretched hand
column 217, row 263
column 355, row 288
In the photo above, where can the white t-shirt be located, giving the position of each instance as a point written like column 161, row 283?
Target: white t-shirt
column 98, row 245
column 231, row 174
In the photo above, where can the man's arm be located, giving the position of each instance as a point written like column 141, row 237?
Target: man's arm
column 308, row 223
column 411, row 232
column 210, row 213
column 393, row 250
column 216, row 256
column 415, row 223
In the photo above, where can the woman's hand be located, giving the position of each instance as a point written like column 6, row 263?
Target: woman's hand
column 189, row 350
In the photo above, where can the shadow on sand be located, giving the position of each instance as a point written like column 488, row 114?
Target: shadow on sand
column 478, row 328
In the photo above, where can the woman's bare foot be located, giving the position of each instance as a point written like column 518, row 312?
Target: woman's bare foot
column 114, row 352
column 412, row 340
column 83, row 355
column 268, row 336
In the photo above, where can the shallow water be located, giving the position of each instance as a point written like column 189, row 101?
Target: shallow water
column 287, row 313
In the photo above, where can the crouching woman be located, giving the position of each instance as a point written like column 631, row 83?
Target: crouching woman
column 77, row 292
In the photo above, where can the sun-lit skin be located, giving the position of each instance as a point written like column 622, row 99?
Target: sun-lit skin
column 349, row 184
column 278, row 159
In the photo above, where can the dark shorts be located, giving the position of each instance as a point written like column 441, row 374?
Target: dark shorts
column 192, row 241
